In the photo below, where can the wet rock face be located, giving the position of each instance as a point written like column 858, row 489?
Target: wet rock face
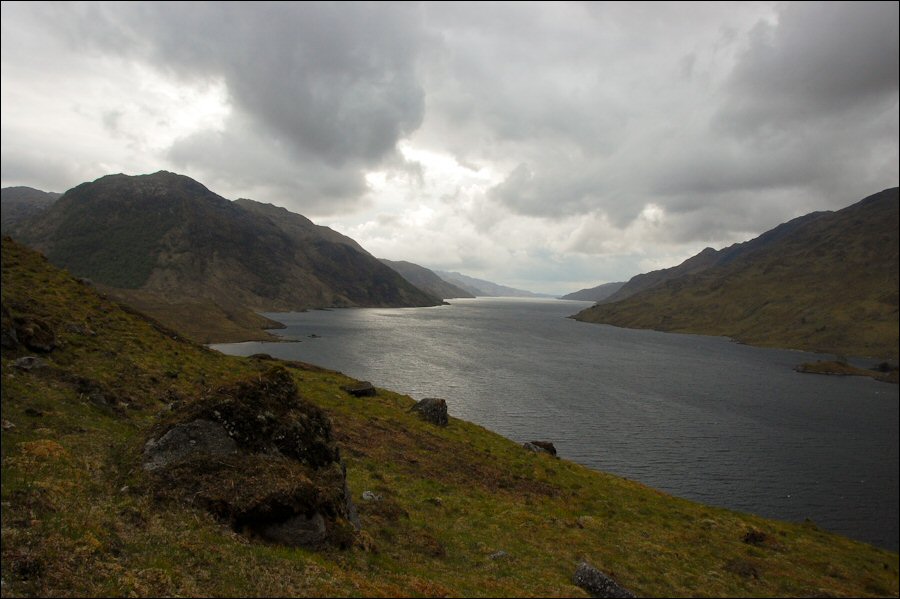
column 260, row 458
column 432, row 409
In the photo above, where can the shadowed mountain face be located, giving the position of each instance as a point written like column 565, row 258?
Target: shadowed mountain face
column 825, row 282
column 168, row 238
column 21, row 203
column 482, row 288
column 708, row 258
column 426, row 280
column 594, row 294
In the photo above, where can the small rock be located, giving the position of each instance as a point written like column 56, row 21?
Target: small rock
column 28, row 363
column 370, row 496
column 755, row 537
column 533, row 447
column 435, row 501
column 547, row 446
column 74, row 327
column 498, row 555
column 433, row 410
column 584, row 522
column 360, row 389
column 35, row 334
column 7, row 425
column 597, row 583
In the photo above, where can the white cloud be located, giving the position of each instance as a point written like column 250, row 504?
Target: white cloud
column 550, row 145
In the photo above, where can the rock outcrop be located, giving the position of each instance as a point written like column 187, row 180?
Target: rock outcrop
column 433, row 410
column 597, row 583
column 360, row 389
column 260, row 458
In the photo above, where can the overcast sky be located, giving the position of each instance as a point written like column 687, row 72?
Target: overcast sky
column 548, row 146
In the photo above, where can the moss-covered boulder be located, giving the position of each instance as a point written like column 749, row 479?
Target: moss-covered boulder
column 260, row 458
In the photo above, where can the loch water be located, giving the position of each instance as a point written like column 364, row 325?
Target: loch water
column 699, row 417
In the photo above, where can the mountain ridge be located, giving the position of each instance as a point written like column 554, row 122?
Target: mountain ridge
column 825, row 282
column 20, row 203
column 165, row 238
column 482, row 288
column 595, row 294
column 426, row 279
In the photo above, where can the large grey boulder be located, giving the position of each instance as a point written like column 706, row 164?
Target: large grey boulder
column 597, row 583
column 184, row 440
column 433, row 410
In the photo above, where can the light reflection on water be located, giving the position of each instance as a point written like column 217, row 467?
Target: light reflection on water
column 699, row 417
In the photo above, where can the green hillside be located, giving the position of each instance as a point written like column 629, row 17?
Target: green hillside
column 168, row 244
column 456, row 510
column 829, row 285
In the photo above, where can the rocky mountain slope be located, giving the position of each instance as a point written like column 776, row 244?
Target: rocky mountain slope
column 170, row 245
column 594, row 294
column 426, row 279
column 824, row 282
column 708, row 258
column 138, row 464
column 482, row 288
column 21, row 203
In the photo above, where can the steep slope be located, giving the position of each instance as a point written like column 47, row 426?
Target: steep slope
column 21, row 203
column 166, row 239
column 296, row 225
column 426, row 279
column 708, row 258
column 827, row 282
column 482, row 288
column 453, row 511
column 594, row 294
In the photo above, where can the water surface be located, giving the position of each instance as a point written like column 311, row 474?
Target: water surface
column 699, row 417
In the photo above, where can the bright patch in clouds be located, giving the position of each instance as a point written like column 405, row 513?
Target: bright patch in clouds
column 549, row 146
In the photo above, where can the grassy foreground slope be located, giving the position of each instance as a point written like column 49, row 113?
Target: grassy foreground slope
column 79, row 517
column 829, row 285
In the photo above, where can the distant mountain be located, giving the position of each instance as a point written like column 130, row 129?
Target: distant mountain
column 709, row 258
column 165, row 239
column 482, row 288
column 21, row 203
column 825, row 282
column 594, row 294
column 426, row 280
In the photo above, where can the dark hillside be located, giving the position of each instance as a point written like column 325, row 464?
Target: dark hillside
column 827, row 282
column 165, row 237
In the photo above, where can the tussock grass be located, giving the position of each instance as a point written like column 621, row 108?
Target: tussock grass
column 77, row 519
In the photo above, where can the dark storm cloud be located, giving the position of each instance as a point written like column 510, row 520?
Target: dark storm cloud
column 332, row 84
column 804, row 117
column 267, row 169
column 820, row 61
column 808, row 120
